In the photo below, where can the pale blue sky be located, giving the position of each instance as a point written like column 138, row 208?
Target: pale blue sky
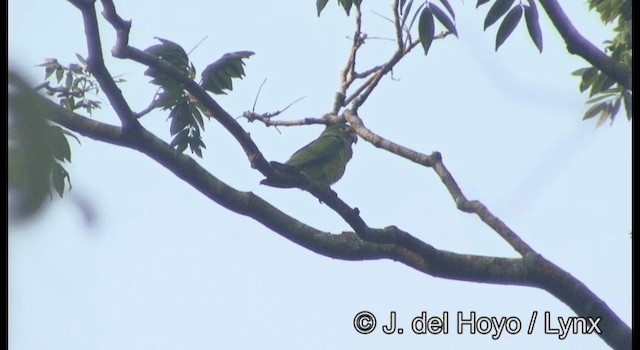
column 164, row 268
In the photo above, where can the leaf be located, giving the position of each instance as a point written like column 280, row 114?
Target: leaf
column 197, row 116
column 81, row 60
column 58, row 174
column 588, row 77
column 217, row 76
column 406, row 12
column 533, row 24
column 449, row 8
column 48, row 71
column 346, row 4
column 509, row 23
column 593, row 110
column 68, row 81
column 58, row 144
column 497, row 10
column 180, row 117
column 59, row 73
column 426, row 29
column 615, row 108
column 442, row 18
column 601, row 83
column 481, row 2
column 605, row 113
column 401, row 6
column 577, row 72
column 182, row 146
column 320, row 4
column 626, row 98
column 170, row 52
column 180, row 138
column 602, row 96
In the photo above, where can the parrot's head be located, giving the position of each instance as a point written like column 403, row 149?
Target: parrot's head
column 344, row 131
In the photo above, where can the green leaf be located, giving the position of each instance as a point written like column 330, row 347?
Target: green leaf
column 320, row 4
column 197, row 116
column 346, row 4
column 605, row 114
column 497, row 10
column 58, row 144
column 81, row 60
column 180, row 138
column 449, row 8
column 182, row 145
column 593, row 110
column 533, row 25
column 180, row 117
column 588, row 77
column 577, row 72
column 615, row 108
column 217, row 76
column 442, row 18
column 59, row 73
column 168, row 99
column 509, row 23
column 68, row 81
column 426, row 29
column 170, row 52
column 405, row 13
column 71, row 135
column 601, row 98
column 601, row 83
column 626, row 96
column 48, row 71
column 481, row 2
column 58, row 174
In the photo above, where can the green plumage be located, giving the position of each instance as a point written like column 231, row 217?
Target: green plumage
column 325, row 158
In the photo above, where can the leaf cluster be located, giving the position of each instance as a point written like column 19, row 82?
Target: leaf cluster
column 346, row 5
column 606, row 96
column 38, row 151
column 75, row 84
column 511, row 16
column 186, row 112
column 426, row 21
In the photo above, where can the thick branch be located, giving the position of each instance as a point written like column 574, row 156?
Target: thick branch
column 579, row 45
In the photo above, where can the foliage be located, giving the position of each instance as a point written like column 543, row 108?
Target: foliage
column 186, row 114
column 77, row 86
column 38, row 150
column 606, row 96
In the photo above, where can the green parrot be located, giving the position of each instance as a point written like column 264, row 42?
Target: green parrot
column 323, row 159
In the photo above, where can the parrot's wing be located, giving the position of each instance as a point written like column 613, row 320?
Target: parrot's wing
column 324, row 148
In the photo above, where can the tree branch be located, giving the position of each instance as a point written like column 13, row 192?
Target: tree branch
column 364, row 243
column 579, row 45
column 532, row 270
column 95, row 63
